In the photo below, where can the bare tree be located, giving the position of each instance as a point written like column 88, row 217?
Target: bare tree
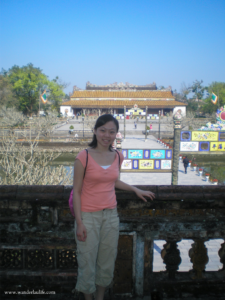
column 10, row 117
column 22, row 165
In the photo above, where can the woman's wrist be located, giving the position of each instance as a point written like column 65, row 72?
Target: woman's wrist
column 79, row 222
column 134, row 189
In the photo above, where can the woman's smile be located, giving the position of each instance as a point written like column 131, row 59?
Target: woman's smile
column 106, row 134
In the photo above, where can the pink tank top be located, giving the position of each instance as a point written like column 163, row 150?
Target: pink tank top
column 98, row 190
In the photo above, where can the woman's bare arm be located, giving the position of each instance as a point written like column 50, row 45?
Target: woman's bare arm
column 77, row 186
column 140, row 193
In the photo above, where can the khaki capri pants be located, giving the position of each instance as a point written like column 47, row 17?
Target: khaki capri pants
column 96, row 256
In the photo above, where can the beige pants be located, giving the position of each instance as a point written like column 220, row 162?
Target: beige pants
column 96, row 256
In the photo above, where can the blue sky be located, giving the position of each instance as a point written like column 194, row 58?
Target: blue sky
column 169, row 42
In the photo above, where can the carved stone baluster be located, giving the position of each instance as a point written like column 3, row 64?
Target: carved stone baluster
column 221, row 253
column 171, row 257
column 199, row 257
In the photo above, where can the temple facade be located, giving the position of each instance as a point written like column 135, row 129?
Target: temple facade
column 115, row 98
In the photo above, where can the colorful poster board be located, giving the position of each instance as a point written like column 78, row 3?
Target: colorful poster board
column 165, row 164
column 132, row 154
column 147, row 159
column 217, row 146
column 205, row 136
column 156, row 154
column 202, row 141
column 146, row 164
column 127, row 164
column 188, row 146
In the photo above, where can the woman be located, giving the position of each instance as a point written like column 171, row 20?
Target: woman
column 96, row 173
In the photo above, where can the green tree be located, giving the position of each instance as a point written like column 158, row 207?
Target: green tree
column 217, row 88
column 192, row 105
column 56, row 93
column 199, row 92
column 182, row 96
column 28, row 83
column 6, row 92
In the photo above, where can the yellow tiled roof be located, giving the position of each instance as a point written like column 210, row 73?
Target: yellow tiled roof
column 122, row 103
column 122, row 94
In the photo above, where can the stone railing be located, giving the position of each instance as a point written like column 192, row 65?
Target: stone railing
column 38, row 251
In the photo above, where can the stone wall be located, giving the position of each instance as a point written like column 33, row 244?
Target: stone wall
column 38, row 250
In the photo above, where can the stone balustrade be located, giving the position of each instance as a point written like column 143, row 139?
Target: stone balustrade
column 38, row 250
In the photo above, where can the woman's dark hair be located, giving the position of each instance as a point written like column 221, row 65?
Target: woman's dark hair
column 102, row 120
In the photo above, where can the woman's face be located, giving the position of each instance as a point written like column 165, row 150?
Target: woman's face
column 106, row 134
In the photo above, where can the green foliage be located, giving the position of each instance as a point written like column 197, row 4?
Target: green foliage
column 147, row 127
column 28, row 83
column 6, row 92
column 56, row 93
column 217, row 88
column 71, row 127
column 198, row 89
column 192, row 105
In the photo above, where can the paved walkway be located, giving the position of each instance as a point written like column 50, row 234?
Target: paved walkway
column 78, row 125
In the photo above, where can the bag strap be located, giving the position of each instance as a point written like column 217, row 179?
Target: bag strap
column 87, row 160
column 118, row 156
column 86, row 163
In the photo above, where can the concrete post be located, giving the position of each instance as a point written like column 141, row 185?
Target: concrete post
column 124, row 123
column 146, row 111
column 159, row 124
column 176, row 152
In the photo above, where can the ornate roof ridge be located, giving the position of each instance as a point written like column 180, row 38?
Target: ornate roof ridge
column 120, row 86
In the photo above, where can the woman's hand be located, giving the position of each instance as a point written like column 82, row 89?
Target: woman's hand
column 81, row 232
column 141, row 194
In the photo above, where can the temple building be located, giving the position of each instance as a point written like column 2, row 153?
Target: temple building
column 114, row 98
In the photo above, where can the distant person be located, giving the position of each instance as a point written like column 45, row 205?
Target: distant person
column 150, row 126
column 186, row 163
column 135, row 125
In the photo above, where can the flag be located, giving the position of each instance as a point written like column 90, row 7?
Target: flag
column 214, row 98
column 44, row 97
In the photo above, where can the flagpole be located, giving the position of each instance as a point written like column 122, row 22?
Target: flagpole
column 218, row 99
column 39, row 112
